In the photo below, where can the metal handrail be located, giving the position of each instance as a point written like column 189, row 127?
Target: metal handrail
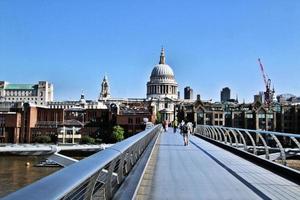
column 257, row 139
column 95, row 177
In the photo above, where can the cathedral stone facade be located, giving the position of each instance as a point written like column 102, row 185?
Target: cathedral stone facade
column 162, row 89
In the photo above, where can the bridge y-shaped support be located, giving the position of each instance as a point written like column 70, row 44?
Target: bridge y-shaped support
column 252, row 141
column 265, row 145
column 282, row 152
column 235, row 138
column 296, row 142
column 223, row 133
column 243, row 139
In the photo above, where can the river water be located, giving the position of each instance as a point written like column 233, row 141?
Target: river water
column 14, row 174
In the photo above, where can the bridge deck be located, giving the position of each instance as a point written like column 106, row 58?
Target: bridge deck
column 204, row 171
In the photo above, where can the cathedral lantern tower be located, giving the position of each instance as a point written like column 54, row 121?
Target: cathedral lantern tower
column 105, row 93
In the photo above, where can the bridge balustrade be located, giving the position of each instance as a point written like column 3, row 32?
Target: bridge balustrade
column 267, row 144
column 96, row 177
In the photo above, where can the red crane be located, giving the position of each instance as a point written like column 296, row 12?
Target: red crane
column 268, row 93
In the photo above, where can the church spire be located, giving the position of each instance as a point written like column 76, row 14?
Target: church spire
column 82, row 95
column 104, row 94
column 162, row 59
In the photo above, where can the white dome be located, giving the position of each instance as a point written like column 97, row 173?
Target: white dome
column 162, row 70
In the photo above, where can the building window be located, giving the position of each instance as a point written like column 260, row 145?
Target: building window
column 166, row 105
column 130, row 121
column 270, row 116
column 221, row 115
column 216, row 115
column 138, row 120
column 249, row 116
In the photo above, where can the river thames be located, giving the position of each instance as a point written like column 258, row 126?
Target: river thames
column 14, row 173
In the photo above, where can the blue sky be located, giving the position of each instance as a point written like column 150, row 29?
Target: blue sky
column 209, row 44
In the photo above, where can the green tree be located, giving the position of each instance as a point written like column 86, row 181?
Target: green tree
column 87, row 140
column 42, row 139
column 118, row 133
column 158, row 118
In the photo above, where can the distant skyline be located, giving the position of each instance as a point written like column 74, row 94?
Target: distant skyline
column 209, row 45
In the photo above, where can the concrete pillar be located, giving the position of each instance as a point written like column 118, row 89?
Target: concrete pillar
column 256, row 121
column 73, row 135
column 64, row 135
column 266, row 120
column 274, row 122
column 16, row 135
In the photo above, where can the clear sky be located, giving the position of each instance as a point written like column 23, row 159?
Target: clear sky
column 209, row 44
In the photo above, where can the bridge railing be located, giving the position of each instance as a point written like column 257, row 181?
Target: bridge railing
column 267, row 144
column 96, row 177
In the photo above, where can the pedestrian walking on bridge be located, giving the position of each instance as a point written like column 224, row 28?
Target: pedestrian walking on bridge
column 187, row 129
column 175, row 124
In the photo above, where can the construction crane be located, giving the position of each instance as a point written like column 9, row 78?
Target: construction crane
column 269, row 94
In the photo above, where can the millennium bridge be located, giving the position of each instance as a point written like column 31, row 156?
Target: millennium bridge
column 218, row 163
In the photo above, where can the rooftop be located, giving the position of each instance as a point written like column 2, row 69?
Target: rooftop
column 20, row 87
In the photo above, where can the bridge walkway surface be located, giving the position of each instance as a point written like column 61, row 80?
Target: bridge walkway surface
column 202, row 170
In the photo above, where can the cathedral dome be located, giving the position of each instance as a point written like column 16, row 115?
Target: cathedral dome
column 162, row 70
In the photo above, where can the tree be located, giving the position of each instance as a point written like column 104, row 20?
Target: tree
column 87, row 140
column 118, row 133
column 158, row 117
column 42, row 139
